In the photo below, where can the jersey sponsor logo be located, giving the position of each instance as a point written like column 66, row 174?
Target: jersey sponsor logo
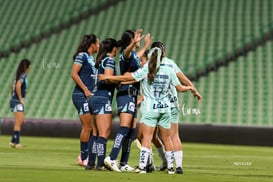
column 131, row 106
column 160, row 105
column 162, row 76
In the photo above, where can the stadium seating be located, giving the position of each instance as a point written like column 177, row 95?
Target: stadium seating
column 196, row 33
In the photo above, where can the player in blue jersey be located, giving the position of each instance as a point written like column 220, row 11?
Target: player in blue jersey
column 83, row 73
column 156, row 107
column 127, row 99
column 101, row 102
column 17, row 101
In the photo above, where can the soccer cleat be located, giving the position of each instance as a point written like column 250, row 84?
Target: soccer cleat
column 112, row 164
column 171, row 171
column 140, row 171
column 179, row 170
column 101, row 168
column 82, row 162
column 17, row 146
column 12, row 145
column 150, row 168
column 127, row 168
column 163, row 167
column 90, row 166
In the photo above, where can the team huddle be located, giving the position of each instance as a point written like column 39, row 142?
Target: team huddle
column 147, row 78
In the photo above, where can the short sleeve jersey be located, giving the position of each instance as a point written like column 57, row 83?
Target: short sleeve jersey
column 156, row 97
column 87, row 72
column 129, row 65
column 103, row 89
column 172, row 92
column 24, row 86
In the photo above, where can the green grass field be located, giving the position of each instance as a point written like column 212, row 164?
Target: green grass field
column 54, row 159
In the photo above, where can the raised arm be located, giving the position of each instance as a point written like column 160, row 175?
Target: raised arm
column 131, row 46
column 148, row 42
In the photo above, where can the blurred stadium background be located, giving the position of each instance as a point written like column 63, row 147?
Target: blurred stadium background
column 224, row 46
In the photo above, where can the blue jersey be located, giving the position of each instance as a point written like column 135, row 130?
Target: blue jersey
column 87, row 72
column 129, row 65
column 23, row 80
column 104, row 89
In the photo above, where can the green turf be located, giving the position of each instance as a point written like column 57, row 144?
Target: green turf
column 54, row 159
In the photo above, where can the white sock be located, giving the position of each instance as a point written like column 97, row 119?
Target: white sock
column 178, row 156
column 143, row 157
column 161, row 154
column 170, row 158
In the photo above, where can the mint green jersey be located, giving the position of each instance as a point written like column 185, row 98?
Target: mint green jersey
column 156, row 94
column 172, row 92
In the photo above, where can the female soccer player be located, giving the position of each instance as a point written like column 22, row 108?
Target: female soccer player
column 101, row 102
column 178, row 152
column 156, row 80
column 17, row 103
column 127, row 99
column 83, row 73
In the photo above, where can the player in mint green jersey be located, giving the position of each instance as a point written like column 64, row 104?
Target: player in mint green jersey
column 178, row 151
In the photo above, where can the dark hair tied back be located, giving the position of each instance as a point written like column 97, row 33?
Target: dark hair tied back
column 106, row 46
column 22, row 67
column 85, row 43
column 126, row 38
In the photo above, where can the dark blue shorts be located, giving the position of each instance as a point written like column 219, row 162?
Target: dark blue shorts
column 81, row 103
column 127, row 104
column 16, row 106
column 100, row 105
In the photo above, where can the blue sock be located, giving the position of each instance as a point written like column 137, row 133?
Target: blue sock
column 126, row 147
column 84, row 150
column 15, row 137
column 92, row 148
column 121, row 135
column 101, row 150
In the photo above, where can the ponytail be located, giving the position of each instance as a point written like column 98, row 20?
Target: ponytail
column 101, row 54
column 85, row 43
column 155, row 58
column 22, row 67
